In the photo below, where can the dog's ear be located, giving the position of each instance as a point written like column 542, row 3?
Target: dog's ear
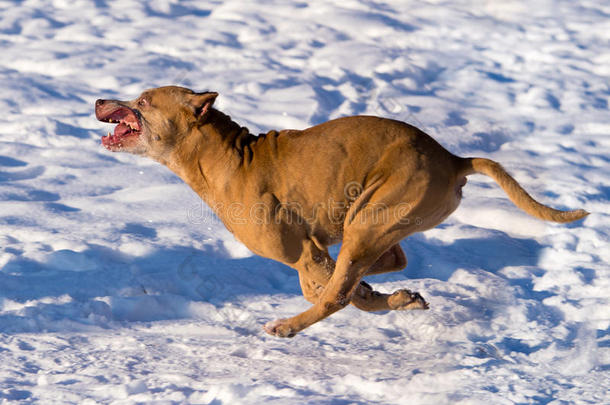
column 202, row 102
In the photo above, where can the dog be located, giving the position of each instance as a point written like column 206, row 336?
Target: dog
column 367, row 182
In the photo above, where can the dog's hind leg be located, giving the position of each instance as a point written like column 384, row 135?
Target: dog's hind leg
column 367, row 299
column 316, row 267
column 342, row 286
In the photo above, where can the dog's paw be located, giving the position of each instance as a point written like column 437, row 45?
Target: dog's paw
column 405, row 299
column 279, row 328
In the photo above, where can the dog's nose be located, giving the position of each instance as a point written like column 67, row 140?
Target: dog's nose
column 99, row 102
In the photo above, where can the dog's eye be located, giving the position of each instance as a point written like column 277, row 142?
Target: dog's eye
column 142, row 102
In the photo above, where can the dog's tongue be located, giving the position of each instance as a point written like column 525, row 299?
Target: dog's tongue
column 121, row 129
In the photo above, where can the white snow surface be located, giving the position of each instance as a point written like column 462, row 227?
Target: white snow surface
column 118, row 285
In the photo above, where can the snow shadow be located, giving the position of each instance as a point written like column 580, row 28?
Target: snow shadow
column 429, row 258
column 96, row 286
column 99, row 285
column 434, row 259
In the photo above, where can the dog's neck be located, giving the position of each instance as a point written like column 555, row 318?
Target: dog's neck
column 235, row 137
column 209, row 158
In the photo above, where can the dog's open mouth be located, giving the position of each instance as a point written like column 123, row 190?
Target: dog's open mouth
column 126, row 132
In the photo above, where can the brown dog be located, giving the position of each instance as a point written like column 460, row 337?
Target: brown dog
column 364, row 181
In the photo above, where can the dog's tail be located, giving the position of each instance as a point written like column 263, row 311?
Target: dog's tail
column 515, row 192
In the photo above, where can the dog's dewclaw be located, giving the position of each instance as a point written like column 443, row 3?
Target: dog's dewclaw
column 405, row 299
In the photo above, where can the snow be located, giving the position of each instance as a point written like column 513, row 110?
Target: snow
column 118, row 285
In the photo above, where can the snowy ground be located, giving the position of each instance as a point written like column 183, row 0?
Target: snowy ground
column 118, row 285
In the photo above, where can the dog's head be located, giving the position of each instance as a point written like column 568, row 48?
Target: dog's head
column 155, row 122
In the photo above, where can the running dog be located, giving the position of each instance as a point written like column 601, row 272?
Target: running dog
column 367, row 182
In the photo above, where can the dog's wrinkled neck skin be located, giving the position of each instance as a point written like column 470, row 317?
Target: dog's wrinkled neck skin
column 236, row 137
